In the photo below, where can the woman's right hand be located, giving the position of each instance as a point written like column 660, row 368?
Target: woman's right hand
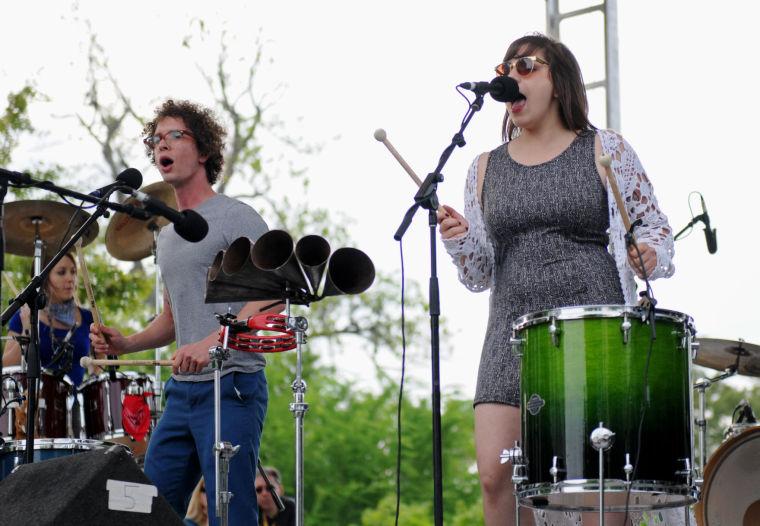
column 106, row 340
column 451, row 223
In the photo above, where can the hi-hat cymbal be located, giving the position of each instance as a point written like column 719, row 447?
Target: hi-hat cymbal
column 130, row 239
column 725, row 354
column 24, row 219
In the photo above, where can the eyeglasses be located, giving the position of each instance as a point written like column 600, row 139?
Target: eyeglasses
column 523, row 65
column 171, row 136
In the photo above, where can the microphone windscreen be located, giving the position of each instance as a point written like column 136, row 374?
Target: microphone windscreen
column 192, row 228
column 504, row 89
column 130, row 177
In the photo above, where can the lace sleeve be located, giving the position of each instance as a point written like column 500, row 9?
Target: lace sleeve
column 641, row 203
column 472, row 252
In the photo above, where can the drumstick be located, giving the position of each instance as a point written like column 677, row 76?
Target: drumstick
column 10, row 283
column 606, row 161
column 86, row 361
column 381, row 136
column 87, row 285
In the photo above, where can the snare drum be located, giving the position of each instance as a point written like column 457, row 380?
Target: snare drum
column 102, row 402
column 582, row 366
column 730, row 493
column 13, row 454
column 55, row 405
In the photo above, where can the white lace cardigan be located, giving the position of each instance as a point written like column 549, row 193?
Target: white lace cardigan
column 472, row 252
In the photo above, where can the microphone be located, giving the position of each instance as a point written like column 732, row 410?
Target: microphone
column 188, row 224
column 710, row 234
column 501, row 89
column 130, row 177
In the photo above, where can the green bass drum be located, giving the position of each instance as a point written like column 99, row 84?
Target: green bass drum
column 583, row 367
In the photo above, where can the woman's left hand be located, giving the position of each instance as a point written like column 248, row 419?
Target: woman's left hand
column 649, row 256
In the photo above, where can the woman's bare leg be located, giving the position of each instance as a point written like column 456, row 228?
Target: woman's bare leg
column 497, row 426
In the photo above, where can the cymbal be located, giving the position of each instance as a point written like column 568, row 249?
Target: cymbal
column 724, row 354
column 131, row 239
column 22, row 219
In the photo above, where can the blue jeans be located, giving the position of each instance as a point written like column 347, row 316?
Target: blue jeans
column 181, row 447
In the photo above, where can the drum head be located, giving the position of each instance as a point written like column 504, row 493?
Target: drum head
column 730, row 492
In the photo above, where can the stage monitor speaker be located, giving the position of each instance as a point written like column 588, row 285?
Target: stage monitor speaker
column 74, row 490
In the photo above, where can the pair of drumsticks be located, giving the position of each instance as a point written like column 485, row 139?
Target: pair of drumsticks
column 605, row 160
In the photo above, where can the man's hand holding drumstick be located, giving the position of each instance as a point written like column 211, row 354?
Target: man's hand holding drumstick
column 451, row 222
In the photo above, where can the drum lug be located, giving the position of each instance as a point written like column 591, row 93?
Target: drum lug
column 626, row 328
column 554, row 331
column 694, row 349
column 555, row 469
column 628, row 467
column 134, row 389
column 516, row 344
column 684, row 336
column 687, row 471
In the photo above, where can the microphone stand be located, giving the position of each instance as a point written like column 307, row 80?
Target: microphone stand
column 35, row 298
column 427, row 198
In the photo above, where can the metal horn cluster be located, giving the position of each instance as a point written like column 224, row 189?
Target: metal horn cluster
column 276, row 268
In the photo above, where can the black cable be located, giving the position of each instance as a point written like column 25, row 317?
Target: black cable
column 645, row 392
column 401, row 388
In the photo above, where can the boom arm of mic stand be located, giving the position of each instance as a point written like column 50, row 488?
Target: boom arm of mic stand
column 426, row 196
column 694, row 221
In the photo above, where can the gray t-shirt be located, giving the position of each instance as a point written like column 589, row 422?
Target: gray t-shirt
column 184, row 266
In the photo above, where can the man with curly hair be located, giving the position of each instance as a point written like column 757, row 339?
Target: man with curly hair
column 185, row 142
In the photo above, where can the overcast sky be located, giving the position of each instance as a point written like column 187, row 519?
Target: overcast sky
column 688, row 107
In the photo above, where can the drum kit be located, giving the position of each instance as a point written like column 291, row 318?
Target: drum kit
column 106, row 408
column 608, row 416
column 122, row 407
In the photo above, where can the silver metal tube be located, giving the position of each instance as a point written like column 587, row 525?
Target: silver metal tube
column 159, row 303
column 612, row 64
column 217, row 435
column 298, row 407
column 702, row 424
column 517, row 508
column 601, row 487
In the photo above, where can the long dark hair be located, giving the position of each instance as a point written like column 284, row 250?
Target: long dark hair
column 566, row 77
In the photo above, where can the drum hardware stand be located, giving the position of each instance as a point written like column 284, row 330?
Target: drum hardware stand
column 157, row 387
column 701, row 386
column 515, row 456
column 298, row 324
column 427, row 198
column 601, row 439
column 223, row 451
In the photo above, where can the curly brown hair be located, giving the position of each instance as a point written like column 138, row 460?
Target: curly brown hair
column 209, row 134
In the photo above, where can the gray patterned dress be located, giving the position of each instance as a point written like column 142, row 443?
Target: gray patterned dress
column 548, row 226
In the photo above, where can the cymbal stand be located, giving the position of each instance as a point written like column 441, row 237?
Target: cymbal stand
column 33, row 296
column 223, row 451
column 158, row 291
column 298, row 324
column 701, row 386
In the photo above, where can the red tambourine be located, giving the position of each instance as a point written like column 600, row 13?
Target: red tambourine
column 241, row 339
